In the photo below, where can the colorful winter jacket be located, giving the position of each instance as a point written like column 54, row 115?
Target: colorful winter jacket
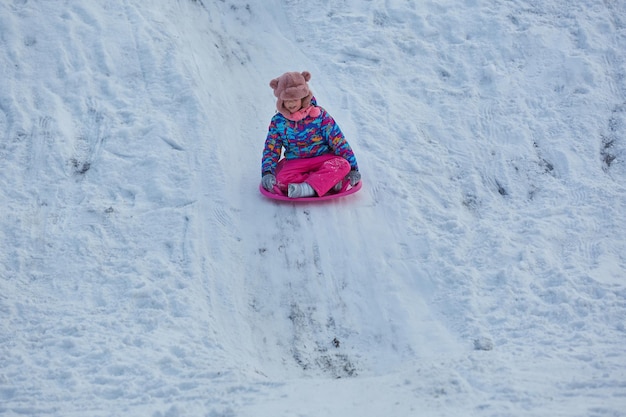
column 312, row 136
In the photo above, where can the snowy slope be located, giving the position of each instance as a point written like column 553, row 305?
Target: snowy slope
column 480, row 271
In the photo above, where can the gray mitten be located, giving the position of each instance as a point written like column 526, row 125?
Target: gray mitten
column 268, row 181
column 354, row 177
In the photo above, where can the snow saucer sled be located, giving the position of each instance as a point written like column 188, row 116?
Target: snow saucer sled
column 278, row 195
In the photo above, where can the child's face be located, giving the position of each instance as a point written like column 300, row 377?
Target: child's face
column 293, row 105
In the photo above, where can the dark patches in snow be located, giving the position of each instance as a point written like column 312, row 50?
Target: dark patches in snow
column 483, row 343
column 609, row 151
column 80, row 167
column 471, row 202
column 501, row 190
column 311, row 353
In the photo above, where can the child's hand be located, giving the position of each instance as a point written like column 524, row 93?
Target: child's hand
column 354, row 177
column 268, row 181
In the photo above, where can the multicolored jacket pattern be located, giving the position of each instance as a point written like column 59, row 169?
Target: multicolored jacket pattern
column 312, row 136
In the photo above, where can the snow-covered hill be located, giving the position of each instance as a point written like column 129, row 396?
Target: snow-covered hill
column 480, row 271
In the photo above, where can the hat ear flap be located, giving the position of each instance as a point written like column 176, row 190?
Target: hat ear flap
column 306, row 75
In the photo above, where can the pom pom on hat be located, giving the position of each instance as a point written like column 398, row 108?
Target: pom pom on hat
column 292, row 86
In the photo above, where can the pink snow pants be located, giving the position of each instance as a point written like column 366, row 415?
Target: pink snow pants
column 320, row 172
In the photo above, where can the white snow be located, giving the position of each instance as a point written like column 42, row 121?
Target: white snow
column 481, row 270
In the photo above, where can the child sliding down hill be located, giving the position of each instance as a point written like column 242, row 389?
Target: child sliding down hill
column 317, row 157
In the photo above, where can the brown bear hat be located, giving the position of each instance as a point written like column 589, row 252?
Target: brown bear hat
column 292, row 86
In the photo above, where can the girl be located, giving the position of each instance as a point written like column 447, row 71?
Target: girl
column 317, row 157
